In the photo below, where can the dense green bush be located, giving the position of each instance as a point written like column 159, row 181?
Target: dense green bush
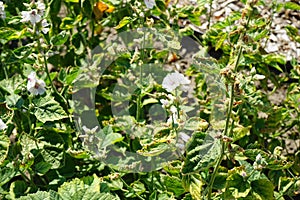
column 128, row 100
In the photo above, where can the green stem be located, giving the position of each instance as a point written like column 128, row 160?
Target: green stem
column 26, row 178
column 138, row 108
column 49, row 77
column 31, row 126
column 229, row 111
column 5, row 70
column 210, row 13
column 139, row 98
column 213, row 177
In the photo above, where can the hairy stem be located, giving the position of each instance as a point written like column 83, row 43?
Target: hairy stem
column 229, row 111
column 210, row 13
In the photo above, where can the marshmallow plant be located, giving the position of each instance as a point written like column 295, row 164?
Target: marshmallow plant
column 152, row 99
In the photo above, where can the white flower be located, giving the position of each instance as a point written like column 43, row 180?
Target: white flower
column 253, row 71
column 2, row 11
column 34, row 85
column 167, row 102
column 258, row 77
column 173, row 110
column 175, row 80
column 174, row 117
column 2, row 125
column 243, row 174
column 258, row 158
column 33, row 16
column 150, row 3
column 41, row 7
column 164, row 102
column 260, row 162
column 45, row 28
column 171, row 97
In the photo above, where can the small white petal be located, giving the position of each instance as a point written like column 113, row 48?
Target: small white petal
column 258, row 158
column 2, row 11
column 45, row 28
column 164, row 102
column 40, row 6
column 258, row 77
column 2, row 125
column 173, row 109
column 150, row 3
column 25, row 16
column 40, row 91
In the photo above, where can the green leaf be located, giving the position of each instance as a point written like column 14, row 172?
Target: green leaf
column 293, row 32
column 220, row 181
column 161, row 4
column 12, row 84
column 150, row 101
column 285, row 184
column 251, row 172
column 8, row 34
column 261, row 35
column 195, row 124
column 273, row 60
column 193, row 183
column 17, row 189
column 41, row 195
column 86, row 188
column 6, row 174
column 239, row 132
column 154, row 149
column 292, row 6
column 173, row 167
column 107, row 137
column 115, row 184
column 221, row 38
column 4, row 146
column 202, row 152
column 72, row 75
column 194, row 17
column 273, row 162
column 67, row 23
column 237, row 186
column 42, row 168
column 263, row 189
column 173, row 184
column 14, row 100
column 78, row 43
column 62, row 75
column 52, row 155
column 47, row 109
column 124, row 22
column 60, row 39
column 51, row 145
column 78, row 154
column 138, row 188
